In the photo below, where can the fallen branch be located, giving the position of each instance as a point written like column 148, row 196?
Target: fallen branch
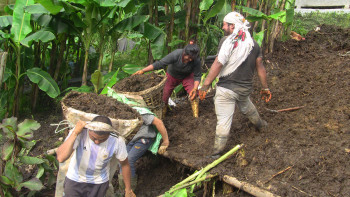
column 278, row 173
column 249, row 188
column 301, row 191
column 284, row 110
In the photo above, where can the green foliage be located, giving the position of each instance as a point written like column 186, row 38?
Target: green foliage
column 14, row 154
column 44, row 81
column 306, row 22
column 97, row 80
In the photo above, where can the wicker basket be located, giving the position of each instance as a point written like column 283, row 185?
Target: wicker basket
column 125, row 128
column 152, row 97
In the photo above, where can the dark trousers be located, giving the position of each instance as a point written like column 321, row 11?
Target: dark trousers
column 76, row 189
column 171, row 83
column 135, row 150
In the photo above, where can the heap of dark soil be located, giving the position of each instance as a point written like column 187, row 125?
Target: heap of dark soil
column 311, row 144
column 138, row 83
column 101, row 105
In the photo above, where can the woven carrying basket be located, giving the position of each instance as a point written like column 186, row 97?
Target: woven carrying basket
column 125, row 128
column 152, row 97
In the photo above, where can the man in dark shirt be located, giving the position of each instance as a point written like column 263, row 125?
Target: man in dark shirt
column 183, row 67
column 238, row 58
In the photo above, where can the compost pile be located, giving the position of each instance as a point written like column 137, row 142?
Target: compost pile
column 101, row 105
column 309, row 146
column 138, row 83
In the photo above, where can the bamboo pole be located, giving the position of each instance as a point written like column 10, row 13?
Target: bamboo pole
column 247, row 187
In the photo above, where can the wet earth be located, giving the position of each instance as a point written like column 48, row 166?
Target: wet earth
column 304, row 152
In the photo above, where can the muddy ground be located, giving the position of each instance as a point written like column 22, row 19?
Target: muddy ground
column 310, row 145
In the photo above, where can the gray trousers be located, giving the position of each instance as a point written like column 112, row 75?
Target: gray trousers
column 225, row 101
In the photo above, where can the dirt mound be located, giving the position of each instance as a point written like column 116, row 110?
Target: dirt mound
column 100, row 104
column 138, row 83
column 309, row 144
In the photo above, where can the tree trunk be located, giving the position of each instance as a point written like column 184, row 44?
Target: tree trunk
column 150, row 9
column 60, row 56
column 85, row 71
column 188, row 17
column 53, row 58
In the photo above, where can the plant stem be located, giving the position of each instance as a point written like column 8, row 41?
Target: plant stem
column 208, row 167
column 193, row 182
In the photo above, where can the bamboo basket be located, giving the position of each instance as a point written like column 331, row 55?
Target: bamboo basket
column 152, row 97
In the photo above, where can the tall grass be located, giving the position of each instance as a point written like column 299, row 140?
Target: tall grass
column 306, row 22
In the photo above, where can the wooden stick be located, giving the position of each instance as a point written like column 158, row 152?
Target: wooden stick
column 284, row 110
column 301, row 191
column 51, row 152
column 247, row 187
column 278, row 173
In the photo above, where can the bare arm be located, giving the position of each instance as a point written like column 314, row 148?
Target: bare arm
column 158, row 123
column 148, row 68
column 213, row 72
column 261, row 72
column 66, row 149
column 126, row 172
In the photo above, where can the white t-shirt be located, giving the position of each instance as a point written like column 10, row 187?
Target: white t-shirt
column 90, row 161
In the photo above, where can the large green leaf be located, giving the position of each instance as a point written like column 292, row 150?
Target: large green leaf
column 158, row 46
column 44, row 81
column 9, row 126
column 290, row 16
column 252, row 12
column 151, row 32
column 259, row 37
column 131, row 68
column 281, row 16
column 111, row 82
column 54, row 7
column 4, row 35
column 36, row 9
column 41, row 35
column 106, row 3
column 26, row 128
column 40, row 173
column 5, row 180
column 214, row 10
column 31, row 160
column 7, row 150
column 97, row 80
column 5, row 21
column 123, row 3
column 21, row 21
column 33, row 184
column 129, row 23
column 12, row 173
column 204, row 5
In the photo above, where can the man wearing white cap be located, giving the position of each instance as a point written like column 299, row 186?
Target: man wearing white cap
column 235, row 65
column 88, row 172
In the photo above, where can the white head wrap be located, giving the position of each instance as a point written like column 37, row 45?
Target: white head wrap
column 231, row 56
column 100, row 126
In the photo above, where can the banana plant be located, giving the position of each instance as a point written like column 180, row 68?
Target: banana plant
column 14, row 154
column 17, row 36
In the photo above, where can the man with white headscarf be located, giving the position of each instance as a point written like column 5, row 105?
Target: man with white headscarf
column 238, row 58
column 93, row 147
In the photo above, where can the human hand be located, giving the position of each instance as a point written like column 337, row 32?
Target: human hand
column 265, row 94
column 139, row 72
column 129, row 193
column 203, row 92
column 193, row 94
column 163, row 147
column 79, row 127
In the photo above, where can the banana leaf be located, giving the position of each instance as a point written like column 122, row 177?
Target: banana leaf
column 21, row 21
column 41, row 35
column 44, row 81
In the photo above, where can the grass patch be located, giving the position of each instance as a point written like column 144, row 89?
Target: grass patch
column 306, row 22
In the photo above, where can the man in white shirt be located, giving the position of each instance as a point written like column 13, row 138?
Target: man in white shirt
column 93, row 148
